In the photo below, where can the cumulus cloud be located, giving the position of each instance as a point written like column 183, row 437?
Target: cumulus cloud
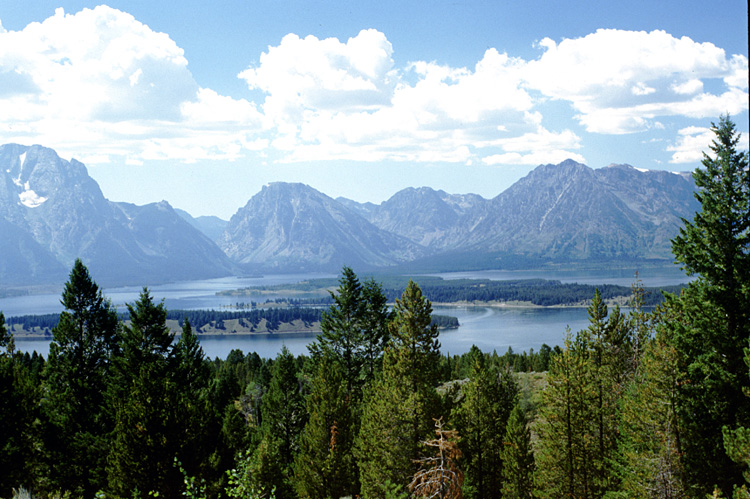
column 539, row 147
column 101, row 84
column 345, row 100
column 693, row 141
column 622, row 81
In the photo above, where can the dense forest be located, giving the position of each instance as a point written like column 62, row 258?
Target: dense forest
column 541, row 292
column 636, row 405
column 247, row 320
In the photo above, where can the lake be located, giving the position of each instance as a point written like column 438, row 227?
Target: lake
column 490, row 328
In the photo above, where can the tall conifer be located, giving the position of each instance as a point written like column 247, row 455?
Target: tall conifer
column 77, row 374
column 715, row 323
column 400, row 405
column 518, row 467
column 325, row 465
column 481, row 418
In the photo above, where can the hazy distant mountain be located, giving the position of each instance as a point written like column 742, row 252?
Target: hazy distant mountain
column 434, row 219
column 211, row 226
column 52, row 212
column 564, row 212
column 293, row 226
column 55, row 204
column 571, row 212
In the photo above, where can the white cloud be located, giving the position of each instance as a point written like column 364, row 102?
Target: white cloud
column 539, row 147
column 690, row 87
column 100, row 84
column 693, row 141
column 329, row 99
column 620, row 81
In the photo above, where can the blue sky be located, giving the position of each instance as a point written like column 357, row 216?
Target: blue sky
column 203, row 103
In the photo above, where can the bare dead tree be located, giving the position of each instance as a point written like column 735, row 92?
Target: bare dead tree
column 439, row 476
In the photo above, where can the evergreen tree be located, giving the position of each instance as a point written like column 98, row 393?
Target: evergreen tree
column 143, row 451
column 481, row 418
column 77, row 374
column 6, row 337
column 737, row 446
column 324, row 466
column 341, row 329
column 198, row 430
column 354, row 330
column 147, row 340
column 517, row 458
column 375, row 321
column 18, row 410
column 608, row 344
column 567, row 447
column 283, row 418
column 714, row 325
column 145, row 399
column 401, row 403
column 414, row 350
column 716, row 244
column 648, row 460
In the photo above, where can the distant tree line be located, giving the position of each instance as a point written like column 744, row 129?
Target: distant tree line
column 535, row 291
column 201, row 318
column 541, row 292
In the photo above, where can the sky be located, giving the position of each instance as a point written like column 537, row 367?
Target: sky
column 202, row 103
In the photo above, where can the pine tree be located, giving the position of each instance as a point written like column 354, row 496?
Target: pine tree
column 387, row 444
column 414, row 349
column 283, row 418
column 341, row 329
column 517, row 457
column 401, row 403
column 19, row 397
column 354, row 330
column 737, row 446
column 145, row 401
column 716, row 244
column 439, row 475
column 77, row 374
column 567, row 447
column 6, row 337
column 609, row 349
column 325, row 466
column 481, row 418
column 648, row 459
column 714, row 325
column 375, row 321
column 197, row 431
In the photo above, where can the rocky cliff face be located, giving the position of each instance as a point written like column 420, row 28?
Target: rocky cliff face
column 565, row 212
column 293, row 226
column 52, row 212
column 569, row 211
column 55, row 204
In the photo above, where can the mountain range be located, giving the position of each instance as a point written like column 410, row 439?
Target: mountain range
column 52, row 211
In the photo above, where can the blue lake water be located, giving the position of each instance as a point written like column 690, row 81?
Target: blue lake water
column 490, row 328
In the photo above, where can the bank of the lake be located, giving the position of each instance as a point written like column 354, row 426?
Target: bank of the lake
column 491, row 326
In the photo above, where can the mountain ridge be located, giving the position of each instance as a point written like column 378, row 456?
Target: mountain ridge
column 52, row 212
column 58, row 206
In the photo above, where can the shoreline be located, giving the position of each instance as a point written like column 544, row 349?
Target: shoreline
column 297, row 327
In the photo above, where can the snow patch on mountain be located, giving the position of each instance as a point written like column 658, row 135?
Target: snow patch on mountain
column 29, row 198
